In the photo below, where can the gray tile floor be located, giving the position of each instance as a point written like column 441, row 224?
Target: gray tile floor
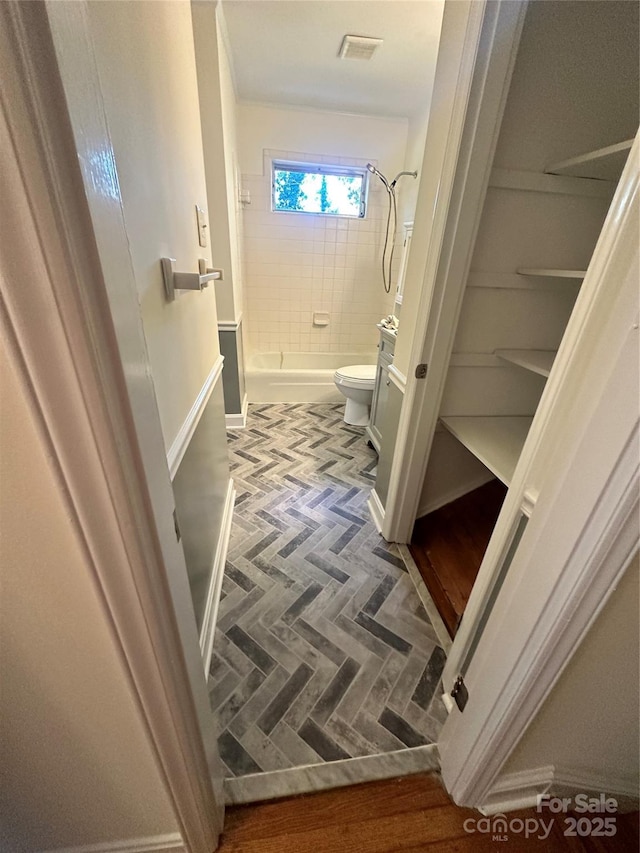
column 323, row 650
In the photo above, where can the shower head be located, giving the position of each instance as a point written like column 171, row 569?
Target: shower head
column 390, row 237
column 375, row 171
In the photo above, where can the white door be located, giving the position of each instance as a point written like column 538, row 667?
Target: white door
column 128, row 72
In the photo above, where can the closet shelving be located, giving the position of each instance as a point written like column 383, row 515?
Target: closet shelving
column 545, row 273
column 537, row 231
column 537, row 360
column 603, row 164
column 496, row 441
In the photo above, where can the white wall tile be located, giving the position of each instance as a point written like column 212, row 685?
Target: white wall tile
column 296, row 264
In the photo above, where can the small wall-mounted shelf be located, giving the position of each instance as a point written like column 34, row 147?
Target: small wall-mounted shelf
column 603, row 164
column 545, row 273
column 537, row 360
column 496, row 441
column 186, row 280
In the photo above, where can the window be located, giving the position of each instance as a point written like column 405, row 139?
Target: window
column 328, row 190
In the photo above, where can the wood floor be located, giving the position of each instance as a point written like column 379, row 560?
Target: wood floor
column 448, row 546
column 410, row 814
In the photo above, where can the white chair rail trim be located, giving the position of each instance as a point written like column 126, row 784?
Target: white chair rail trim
column 186, row 431
column 230, row 325
column 398, row 378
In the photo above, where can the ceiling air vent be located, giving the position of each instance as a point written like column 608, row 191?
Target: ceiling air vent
column 358, row 47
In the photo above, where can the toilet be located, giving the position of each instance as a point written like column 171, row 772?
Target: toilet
column 356, row 383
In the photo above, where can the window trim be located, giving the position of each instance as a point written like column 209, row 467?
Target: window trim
column 311, row 168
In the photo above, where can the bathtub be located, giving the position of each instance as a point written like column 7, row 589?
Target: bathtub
column 297, row 377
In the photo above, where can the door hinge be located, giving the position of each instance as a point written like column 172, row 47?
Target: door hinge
column 176, row 525
column 421, row 371
column 460, row 693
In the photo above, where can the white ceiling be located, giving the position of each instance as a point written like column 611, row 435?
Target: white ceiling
column 286, row 52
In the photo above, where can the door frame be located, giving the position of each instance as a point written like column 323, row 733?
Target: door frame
column 582, row 530
column 475, row 744
column 470, row 91
column 75, row 333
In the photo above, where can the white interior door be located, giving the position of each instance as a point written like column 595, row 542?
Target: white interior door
column 130, row 239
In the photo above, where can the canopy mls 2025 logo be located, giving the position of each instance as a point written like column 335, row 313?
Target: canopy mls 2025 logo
column 581, row 815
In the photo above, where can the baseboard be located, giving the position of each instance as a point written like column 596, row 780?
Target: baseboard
column 238, row 420
column 156, row 844
column 454, row 494
column 568, row 781
column 208, row 629
column 376, row 509
column 521, row 790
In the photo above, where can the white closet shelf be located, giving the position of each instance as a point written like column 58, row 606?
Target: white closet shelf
column 544, row 273
column 496, row 441
column 603, row 164
column 537, row 360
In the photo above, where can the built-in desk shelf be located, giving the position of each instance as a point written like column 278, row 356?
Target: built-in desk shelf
column 603, row 164
column 496, row 441
column 537, row 360
column 551, row 273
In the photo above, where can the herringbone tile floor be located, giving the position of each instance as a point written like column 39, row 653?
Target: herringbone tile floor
column 323, row 650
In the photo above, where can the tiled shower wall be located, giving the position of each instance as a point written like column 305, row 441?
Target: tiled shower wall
column 298, row 263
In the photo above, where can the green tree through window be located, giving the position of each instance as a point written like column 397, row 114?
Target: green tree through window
column 289, row 192
column 304, row 188
column 325, row 203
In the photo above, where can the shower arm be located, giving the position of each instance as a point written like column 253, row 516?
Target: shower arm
column 399, row 175
column 390, row 187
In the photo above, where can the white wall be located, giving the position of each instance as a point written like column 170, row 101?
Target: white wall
column 408, row 187
column 218, row 117
column 297, row 264
column 586, row 88
column 452, row 472
column 589, row 723
column 332, row 134
column 77, row 768
column 229, row 128
column 430, row 169
column 147, row 70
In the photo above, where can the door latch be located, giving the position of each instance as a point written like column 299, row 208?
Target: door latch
column 460, row 693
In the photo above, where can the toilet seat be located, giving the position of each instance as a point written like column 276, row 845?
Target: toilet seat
column 356, row 376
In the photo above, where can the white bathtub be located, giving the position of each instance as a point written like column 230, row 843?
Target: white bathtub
column 297, row 377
